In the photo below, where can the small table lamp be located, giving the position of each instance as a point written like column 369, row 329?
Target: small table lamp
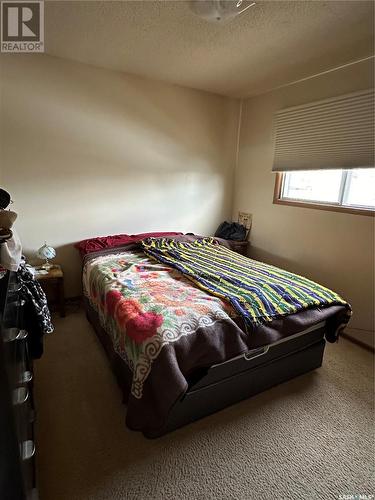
column 46, row 252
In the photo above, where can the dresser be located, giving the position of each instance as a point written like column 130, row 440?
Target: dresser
column 17, row 412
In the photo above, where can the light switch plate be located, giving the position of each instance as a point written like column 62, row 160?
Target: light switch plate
column 245, row 219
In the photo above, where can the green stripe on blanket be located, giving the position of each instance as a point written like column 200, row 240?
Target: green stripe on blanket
column 259, row 292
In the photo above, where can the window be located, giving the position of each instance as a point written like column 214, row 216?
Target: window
column 343, row 190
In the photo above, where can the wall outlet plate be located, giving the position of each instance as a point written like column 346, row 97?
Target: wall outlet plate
column 245, row 219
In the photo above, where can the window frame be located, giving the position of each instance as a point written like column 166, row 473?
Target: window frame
column 277, row 199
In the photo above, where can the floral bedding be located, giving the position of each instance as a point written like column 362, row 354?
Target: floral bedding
column 144, row 305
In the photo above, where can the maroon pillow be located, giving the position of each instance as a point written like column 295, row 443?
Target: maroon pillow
column 94, row 244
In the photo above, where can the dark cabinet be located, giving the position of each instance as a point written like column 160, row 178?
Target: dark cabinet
column 17, row 412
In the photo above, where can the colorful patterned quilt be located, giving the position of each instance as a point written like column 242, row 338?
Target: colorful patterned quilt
column 144, row 305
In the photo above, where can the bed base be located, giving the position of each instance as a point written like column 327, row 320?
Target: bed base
column 198, row 403
column 232, row 381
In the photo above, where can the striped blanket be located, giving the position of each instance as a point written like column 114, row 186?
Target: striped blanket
column 259, row 292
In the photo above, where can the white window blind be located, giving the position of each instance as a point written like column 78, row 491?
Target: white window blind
column 334, row 133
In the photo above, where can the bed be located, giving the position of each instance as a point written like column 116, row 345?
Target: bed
column 180, row 353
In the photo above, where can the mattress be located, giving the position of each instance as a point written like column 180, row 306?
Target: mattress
column 161, row 357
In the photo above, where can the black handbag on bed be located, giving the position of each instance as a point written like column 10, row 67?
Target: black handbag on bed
column 231, row 231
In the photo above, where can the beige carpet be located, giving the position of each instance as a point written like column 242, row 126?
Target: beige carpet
column 311, row 438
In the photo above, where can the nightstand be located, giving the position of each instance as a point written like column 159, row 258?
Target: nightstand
column 239, row 246
column 52, row 283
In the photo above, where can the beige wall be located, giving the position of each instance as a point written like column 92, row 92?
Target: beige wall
column 335, row 249
column 87, row 151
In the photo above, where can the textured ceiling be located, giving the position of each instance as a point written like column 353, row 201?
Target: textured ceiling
column 271, row 44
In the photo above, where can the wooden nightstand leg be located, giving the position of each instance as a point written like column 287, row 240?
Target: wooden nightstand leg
column 61, row 298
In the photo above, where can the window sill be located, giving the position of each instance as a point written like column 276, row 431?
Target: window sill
column 322, row 206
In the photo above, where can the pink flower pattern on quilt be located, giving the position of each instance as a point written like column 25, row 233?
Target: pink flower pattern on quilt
column 144, row 305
